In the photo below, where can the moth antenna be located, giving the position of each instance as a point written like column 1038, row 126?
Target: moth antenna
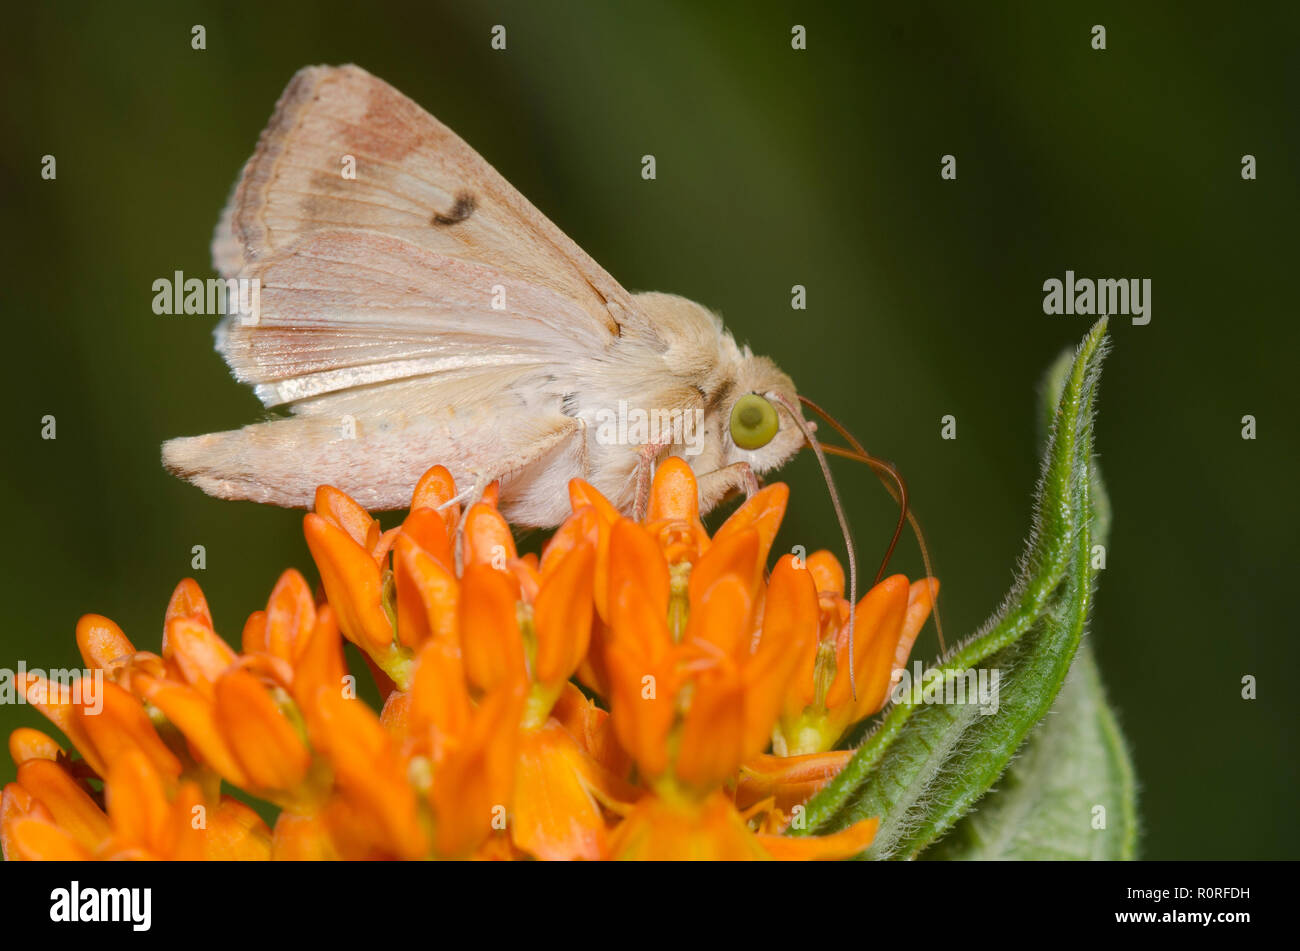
column 887, row 473
column 843, row 520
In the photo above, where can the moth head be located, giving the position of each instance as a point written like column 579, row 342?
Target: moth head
column 759, row 417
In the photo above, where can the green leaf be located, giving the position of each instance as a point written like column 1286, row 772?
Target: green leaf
column 926, row 764
column 1045, row 806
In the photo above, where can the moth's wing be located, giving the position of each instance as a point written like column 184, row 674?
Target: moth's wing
column 343, row 309
column 409, row 168
column 227, row 252
column 374, row 452
column 419, row 194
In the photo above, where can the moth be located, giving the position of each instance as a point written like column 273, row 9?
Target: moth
column 415, row 309
column 419, row 310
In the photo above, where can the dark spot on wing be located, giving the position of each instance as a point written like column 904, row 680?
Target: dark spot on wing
column 569, row 404
column 463, row 208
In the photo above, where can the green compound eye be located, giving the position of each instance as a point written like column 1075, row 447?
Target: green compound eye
column 753, row 422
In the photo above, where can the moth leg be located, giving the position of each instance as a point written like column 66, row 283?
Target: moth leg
column 584, row 462
column 641, row 500
column 645, row 463
column 716, row 485
column 469, row 496
column 474, row 492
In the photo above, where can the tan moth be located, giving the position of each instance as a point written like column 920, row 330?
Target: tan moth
column 415, row 309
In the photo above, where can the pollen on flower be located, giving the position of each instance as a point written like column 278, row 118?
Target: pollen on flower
column 641, row 690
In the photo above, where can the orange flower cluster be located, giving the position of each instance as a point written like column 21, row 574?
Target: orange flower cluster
column 692, row 660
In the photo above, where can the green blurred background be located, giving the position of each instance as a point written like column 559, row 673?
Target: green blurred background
column 775, row 168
